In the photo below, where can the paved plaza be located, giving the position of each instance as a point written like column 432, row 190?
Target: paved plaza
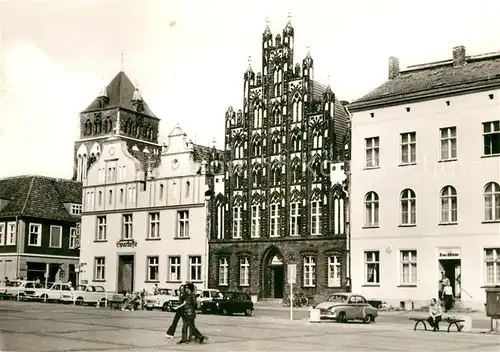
column 51, row 327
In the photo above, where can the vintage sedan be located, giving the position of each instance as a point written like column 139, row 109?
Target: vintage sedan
column 205, row 295
column 347, row 306
column 85, row 294
column 165, row 299
column 229, row 303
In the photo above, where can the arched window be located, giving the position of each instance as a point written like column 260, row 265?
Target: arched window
column 188, row 189
column 237, row 178
column 257, row 147
column 238, row 150
column 296, row 172
column 408, row 207
column 296, row 109
column 257, row 175
column 317, row 140
column 161, row 191
column 276, row 145
column 371, row 209
column 276, row 175
column 100, row 198
column 296, row 142
column 316, row 170
column 276, row 116
column 98, row 126
column 257, row 118
column 110, row 197
column 449, row 205
column 492, row 202
column 88, row 128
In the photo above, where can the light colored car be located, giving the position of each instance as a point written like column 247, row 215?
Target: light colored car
column 16, row 288
column 54, row 292
column 86, row 294
column 165, row 299
column 347, row 306
column 205, row 295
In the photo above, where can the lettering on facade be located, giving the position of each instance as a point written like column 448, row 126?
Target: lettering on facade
column 449, row 254
column 126, row 243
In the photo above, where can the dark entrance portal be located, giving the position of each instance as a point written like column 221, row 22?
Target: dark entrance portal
column 451, row 270
column 126, row 273
column 273, row 280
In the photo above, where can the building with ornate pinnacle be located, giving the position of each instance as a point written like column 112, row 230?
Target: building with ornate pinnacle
column 119, row 108
column 282, row 199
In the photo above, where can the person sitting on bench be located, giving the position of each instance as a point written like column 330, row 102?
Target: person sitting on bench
column 435, row 312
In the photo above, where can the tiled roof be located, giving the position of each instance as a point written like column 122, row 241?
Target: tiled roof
column 120, row 92
column 435, row 78
column 39, row 197
column 318, row 90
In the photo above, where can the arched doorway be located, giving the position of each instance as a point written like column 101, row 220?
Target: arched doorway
column 273, row 274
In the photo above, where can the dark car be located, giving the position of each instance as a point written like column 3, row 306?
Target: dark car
column 229, row 303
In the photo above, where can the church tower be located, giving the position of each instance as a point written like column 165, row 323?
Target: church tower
column 120, row 110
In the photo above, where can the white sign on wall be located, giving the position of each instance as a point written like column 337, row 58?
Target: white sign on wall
column 292, row 273
column 449, row 253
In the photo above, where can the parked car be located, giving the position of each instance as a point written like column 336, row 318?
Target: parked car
column 205, row 295
column 86, row 294
column 229, row 303
column 165, row 299
column 53, row 293
column 347, row 306
column 16, row 288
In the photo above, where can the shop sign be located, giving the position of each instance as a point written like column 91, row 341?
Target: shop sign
column 449, row 253
column 126, row 243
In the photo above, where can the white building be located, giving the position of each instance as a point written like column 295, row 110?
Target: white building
column 144, row 216
column 426, row 182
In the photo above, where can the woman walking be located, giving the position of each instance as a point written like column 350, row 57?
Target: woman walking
column 189, row 316
column 178, row 314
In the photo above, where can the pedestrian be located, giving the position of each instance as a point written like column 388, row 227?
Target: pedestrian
column 178, row 314
column 156, row 290
column 448, row 296
column 435, row 312
column 188, row 319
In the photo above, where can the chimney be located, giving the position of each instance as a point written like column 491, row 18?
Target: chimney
column 393, row 67
column 459, row 56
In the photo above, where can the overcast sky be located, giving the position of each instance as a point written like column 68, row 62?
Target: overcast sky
column 188, row 58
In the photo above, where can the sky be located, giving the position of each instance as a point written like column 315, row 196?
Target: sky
column 188, row 58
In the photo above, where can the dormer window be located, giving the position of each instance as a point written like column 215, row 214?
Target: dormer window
column 76, row 209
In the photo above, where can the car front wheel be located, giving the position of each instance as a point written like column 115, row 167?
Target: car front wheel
column 248, row 312
column 369, row 319
column 341, row 318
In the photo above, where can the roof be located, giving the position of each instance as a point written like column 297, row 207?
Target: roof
column 120, row 92
column 39, row 197
column 203, row 153
column 435, row 78
column 318, row 90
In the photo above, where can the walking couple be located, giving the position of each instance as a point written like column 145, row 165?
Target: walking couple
column 186, row 310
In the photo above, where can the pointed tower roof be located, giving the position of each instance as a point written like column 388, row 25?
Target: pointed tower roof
column 120, row 92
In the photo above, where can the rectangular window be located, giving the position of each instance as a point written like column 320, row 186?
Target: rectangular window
column 237, row 222
column 99, row 268
column 492, row 266
column 223, row 272
column 244, row 272
column 334, row 269
column 294, row 219
column 154, row 225
column 372, row 267
column 274, row 220
column 35, row 235
column 448, row 143
column 408, row 148
column 76, row 209
column 131, row 195
column 153, row 269
column 2, row 234
column 409, row 267
column 491, row 137
column 72, row 238
column 55, row 237
column 309, row 271
column 174, row 264
column 11, row 234
column 101, row 228
column 315, row 218
column 372, row 152
column 127, row 227
column 195, row 268
column 255, row 231
column 183, row 224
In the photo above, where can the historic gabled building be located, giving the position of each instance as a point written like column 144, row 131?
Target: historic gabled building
column 38, row 228
column 118, row 108
column 426, row 182
column 144, row 207
column 281, row 199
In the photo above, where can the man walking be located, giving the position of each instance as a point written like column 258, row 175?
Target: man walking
column 178, row 314
column 189, row 316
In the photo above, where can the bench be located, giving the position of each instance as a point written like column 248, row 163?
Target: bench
column 449, row 321
column 115, row 301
